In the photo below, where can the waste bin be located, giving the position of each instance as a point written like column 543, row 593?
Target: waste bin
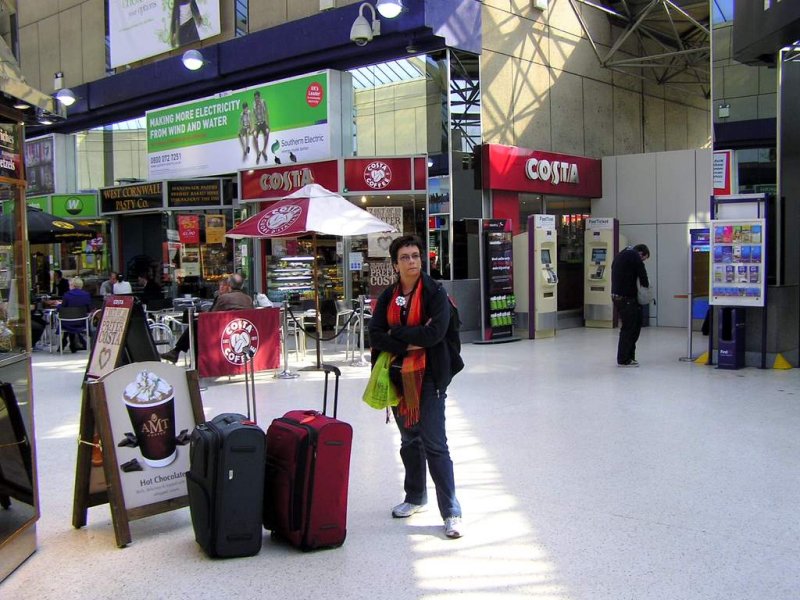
column 731, row 338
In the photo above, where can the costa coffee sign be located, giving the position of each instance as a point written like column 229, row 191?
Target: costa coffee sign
column 529, row 171
column 278, row 182
column 344, row 175
column 397, row 174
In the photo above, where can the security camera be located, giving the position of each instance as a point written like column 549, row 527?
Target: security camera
column 362, row 32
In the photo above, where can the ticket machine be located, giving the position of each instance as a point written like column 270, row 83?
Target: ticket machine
column 601, row 244
column 543, row 275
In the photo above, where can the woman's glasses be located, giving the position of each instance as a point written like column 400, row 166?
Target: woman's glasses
column 409, row 257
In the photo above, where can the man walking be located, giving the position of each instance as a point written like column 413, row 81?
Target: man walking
column 626, row 270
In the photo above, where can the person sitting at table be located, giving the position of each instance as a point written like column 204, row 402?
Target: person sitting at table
column 230, row 297
column 60, row 285
column 76, row 296
column 122, row 286
column 107, row 287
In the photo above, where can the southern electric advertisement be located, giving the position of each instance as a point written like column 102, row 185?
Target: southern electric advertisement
column 142, row 28
column 292, row 120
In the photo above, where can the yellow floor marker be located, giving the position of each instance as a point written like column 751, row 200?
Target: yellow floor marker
column 781, row 363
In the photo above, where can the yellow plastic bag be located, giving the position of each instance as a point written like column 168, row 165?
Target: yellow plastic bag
column 380, row 392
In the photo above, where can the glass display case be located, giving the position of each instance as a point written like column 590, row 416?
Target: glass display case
column 290, row 278
column 18, row 487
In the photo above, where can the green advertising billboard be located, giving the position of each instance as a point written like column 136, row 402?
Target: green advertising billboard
column 291, row 120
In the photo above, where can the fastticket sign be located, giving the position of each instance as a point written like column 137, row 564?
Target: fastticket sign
column 531, row 171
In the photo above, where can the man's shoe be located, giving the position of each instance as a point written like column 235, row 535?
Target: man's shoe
column 453, row 528
column 406, row 509
column 630, row 363
column 634, row 362
column 171, row 356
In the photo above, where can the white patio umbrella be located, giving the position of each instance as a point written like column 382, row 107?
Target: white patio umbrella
column 311, row 210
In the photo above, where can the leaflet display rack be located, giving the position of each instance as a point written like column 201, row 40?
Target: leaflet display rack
column 738, row 258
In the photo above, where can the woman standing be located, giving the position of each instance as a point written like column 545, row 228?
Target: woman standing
column 410, row 322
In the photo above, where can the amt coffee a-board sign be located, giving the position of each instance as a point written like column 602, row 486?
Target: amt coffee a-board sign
column 110, row 448
column 145, row 413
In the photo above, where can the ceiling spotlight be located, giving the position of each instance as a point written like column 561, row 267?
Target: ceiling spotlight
column 390, row 8
column 362, row 32
column 21, row 106
column 193, row 60
column 66, row 96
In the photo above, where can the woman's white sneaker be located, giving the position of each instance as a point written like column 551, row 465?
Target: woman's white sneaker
column 453, row 528
column 406, row 509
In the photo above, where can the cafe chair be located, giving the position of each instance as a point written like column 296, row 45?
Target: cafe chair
column 72, row 315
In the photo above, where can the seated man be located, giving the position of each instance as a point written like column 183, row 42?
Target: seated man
column 76, row 296
column 230, row 297
column 107, row 287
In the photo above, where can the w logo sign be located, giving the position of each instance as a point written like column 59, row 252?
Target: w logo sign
column 74, row 205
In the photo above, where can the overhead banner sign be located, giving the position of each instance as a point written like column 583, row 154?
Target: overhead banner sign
column 534, row 172
column 10, row 155
column 193, row 194
column 279, row 123
column 74, row 206
column 139, row 29
column 723, row 172
column 40, row 166
column 361, row 176
column 135, row 197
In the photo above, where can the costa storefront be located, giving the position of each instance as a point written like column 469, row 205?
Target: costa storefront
column 393, row 188
column 522, row 182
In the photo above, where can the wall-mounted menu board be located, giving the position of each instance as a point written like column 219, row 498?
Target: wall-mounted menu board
column 738, row 262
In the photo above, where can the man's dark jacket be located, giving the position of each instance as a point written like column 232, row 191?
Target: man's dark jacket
column 627, row 267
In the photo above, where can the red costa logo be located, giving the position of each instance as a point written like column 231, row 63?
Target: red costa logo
column 278, row 219
column 239, row 340
column 378, row 175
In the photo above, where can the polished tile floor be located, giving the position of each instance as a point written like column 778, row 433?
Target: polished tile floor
column 579, row 481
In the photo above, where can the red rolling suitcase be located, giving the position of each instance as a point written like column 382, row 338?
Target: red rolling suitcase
column 307, row 474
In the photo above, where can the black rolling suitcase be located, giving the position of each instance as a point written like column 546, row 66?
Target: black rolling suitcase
column 226, row 484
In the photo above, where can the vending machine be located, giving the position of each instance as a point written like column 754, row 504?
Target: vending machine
column 543, row 277
column 601, row 244
column 497, row 277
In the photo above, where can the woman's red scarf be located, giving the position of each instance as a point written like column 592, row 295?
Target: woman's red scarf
column 413, row 369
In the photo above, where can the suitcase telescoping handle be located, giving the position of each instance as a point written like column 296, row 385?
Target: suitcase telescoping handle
column 250, row 381
column 328, row 370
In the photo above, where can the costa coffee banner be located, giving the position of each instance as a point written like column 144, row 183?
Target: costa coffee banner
column 189, row 229
column 530, row 171
column 274, row 183
column 344, row 175
column 381, row 175
column 227, row 338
